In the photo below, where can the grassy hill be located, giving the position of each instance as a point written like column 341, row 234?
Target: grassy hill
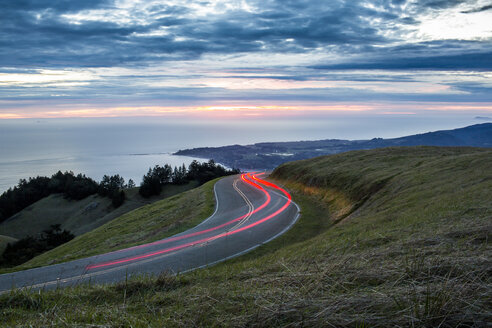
column 4, row 240
column 387, row 237
column 145, row 224
column 79, row 216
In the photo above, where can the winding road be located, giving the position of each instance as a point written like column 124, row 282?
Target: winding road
column 249, row 212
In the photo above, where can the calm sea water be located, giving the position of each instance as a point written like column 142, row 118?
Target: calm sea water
column 129, row 146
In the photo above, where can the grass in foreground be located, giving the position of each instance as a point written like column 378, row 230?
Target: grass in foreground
column 412, row 251
column 145, row 224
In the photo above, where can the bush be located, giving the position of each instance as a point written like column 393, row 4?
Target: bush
column 28, row 247
column 118, row 198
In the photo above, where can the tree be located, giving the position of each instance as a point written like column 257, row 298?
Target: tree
column 179, row 175
column 150, row 185
column 26, row 248
column 163, row 174
column 203, row 172
column 155, row 179
column 111, row 184
column 118, row 198
column 30, row 191
column 112, row 187
column 55, row 236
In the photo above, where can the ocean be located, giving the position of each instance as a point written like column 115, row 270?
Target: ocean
column 129, row 146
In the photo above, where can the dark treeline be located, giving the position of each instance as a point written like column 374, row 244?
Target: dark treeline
column 72, row 186
column 28, row 247
column 160, row 176
column 30, row 191
column 77, row 187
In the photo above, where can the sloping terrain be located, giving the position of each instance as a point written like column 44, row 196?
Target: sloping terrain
column 4, row 240
column 268, row 155
column 387, row 237
column 80, row 216
column 145, row 224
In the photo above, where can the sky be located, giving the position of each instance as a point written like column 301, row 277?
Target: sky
column 111, row 58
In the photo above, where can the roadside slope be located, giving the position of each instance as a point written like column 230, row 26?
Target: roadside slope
column 145, row 224
column 395, row 181
column 78, row 216
column 387, row 237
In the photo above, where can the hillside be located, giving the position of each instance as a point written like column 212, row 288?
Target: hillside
column 78, row 216
column 4, row 240
column 145, row 224
column 387, row 237
column 268, row 155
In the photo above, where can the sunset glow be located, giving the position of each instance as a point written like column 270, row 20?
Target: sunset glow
column 257, row 111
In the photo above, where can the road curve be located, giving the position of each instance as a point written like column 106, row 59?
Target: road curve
column 249, row 212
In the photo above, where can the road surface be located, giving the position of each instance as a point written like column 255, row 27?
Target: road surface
column 249, row 212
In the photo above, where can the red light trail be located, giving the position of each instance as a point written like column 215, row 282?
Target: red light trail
column 193, row 234
column 204, row 240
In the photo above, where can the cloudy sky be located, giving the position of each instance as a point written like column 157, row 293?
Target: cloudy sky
column 91, row 58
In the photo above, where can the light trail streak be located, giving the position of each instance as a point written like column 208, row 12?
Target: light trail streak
column 221, row 235
column 201, row 232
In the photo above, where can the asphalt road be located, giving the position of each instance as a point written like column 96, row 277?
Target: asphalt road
column 249, row 212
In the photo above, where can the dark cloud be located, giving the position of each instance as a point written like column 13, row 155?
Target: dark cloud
column 330, row 76
column 55, row 5
column 454, row 55
column 440, row 4
column 473, row 88
column 33, row 33
column 477, row 10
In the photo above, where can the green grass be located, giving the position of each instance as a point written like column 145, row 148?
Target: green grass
column 390, row 237
column 79, row 216
column 145, row 224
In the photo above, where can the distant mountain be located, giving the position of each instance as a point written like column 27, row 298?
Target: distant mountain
column 268, row 155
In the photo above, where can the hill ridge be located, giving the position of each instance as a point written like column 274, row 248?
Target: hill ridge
column 268, row 155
